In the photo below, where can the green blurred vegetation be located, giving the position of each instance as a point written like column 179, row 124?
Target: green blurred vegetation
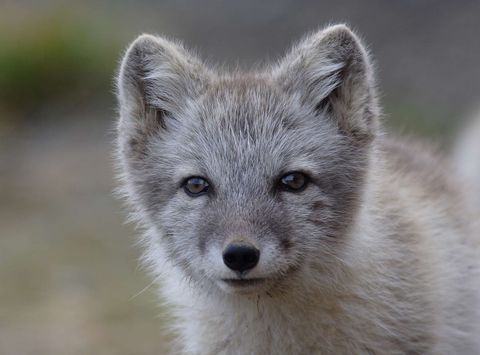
column 60, row 61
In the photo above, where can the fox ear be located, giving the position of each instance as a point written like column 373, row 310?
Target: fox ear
column 155, row 79
column 331, row 73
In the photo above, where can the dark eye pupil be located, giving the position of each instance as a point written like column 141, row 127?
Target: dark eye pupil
column 294, row 181
column 196, row 185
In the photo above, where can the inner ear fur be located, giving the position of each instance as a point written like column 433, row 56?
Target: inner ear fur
column 330, row 71
column 156, row 79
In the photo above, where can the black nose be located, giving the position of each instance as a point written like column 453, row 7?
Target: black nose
column 240, row 257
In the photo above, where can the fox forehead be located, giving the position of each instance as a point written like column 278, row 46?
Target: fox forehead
column 248, row 106
column 249, row 125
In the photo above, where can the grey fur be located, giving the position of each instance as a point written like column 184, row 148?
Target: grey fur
column 348, row 256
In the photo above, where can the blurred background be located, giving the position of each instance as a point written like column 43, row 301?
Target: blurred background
column 70, row 282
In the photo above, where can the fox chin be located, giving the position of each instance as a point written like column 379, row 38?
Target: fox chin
column 280, row 218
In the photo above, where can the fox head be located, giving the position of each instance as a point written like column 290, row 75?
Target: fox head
column 246, row 180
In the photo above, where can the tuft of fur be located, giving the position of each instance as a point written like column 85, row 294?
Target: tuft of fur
column 377, row 255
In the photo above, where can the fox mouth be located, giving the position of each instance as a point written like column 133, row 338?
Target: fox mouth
column 244, row 282
column 242, row 286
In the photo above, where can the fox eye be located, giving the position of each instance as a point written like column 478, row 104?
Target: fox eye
column 294, row 181
column 196, row 186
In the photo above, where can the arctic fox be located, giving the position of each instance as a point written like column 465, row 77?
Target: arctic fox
column 279, row 218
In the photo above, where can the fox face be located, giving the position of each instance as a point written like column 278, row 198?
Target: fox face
column 246, row 181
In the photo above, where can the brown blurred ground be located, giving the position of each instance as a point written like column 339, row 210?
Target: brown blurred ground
column 68, row 264
column 68, row 268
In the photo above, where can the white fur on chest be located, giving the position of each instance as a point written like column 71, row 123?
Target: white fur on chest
column 216, row 323
column 258, row 326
